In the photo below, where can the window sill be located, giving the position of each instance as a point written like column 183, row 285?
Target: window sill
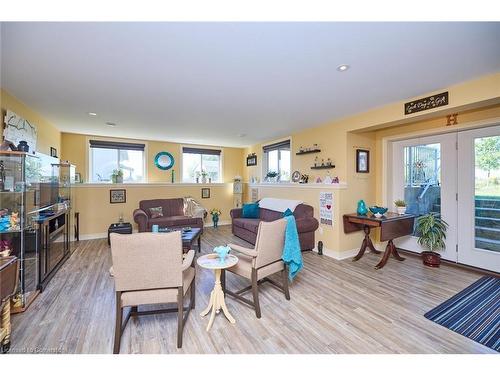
column 146, row 184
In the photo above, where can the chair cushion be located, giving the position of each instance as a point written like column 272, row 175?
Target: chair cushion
column 250, row 211
column 244, row 267
column 150, row 297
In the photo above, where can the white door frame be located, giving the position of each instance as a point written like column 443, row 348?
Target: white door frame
column 448, row 173
column 467, row 251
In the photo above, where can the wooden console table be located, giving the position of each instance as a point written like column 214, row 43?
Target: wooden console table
column 392, row 226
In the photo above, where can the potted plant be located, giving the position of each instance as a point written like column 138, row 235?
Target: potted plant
column 400, row 206
column 271, row 176
column 204, row 175
column 215, row 212
column 431, row 232
column 117, row 176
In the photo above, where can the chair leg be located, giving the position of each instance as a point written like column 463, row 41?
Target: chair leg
column 180, row 315
column 284, row 276
column 255, row 293
column 192, row 293
column 118, row 324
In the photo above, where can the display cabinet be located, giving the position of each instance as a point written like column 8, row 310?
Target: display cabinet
column 20, row 202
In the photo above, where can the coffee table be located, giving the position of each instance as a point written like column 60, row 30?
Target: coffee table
column 217, row 303
column 189, row 237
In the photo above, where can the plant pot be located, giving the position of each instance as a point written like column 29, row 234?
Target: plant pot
column 401, row 210
column 119, row 179
column 203, row 180
column 431, row 259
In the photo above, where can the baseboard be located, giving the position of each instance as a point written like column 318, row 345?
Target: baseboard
column 221, row 222
column 341, row 255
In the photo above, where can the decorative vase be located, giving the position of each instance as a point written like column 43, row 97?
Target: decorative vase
column 203, row 179
column 431, row 259
column 119, row 179
column 23, row 146
column 362, row 210
column 215, row 220
column 401, row 210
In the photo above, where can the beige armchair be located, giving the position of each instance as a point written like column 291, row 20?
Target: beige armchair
column 149, row 269
column 259, row 263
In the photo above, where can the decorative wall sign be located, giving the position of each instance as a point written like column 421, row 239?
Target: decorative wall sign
column 18, row 129
column 164, row 160
column 452, row 119
column 362, row 161
column 326, row 207
column 117, row 196
column 251, row 160
column 254, row 195
column 205, row 193
column 424, row 104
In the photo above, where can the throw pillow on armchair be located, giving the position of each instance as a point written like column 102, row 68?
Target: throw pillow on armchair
column 250, row 211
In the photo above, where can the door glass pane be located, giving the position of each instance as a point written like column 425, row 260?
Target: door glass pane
column 487, row 193
column 422, row 179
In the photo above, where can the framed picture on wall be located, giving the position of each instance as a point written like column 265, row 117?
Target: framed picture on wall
column 117, row 196
column 53, row 152
column 78, row 178
column 362, row 161
column 251, row 160
column 205, row 193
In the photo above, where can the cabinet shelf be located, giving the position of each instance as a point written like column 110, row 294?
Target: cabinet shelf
column 307, row 152
column 323, row 167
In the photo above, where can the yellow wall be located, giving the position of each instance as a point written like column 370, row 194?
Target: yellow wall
column 473, row 100
column 48, row 135
column 92, row 201
column 75, row 149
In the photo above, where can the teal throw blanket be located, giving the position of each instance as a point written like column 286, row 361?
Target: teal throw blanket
column 291, row 251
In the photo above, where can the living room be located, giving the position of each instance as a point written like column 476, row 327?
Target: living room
column 325, row 205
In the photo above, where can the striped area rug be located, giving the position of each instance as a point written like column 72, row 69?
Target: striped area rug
column 474, row 312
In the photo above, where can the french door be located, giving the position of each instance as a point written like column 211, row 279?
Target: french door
column 479, row 198
column 456, row 176
column 424, row 174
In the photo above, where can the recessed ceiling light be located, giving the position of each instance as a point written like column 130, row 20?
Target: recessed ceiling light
column 92, row 114
column 112, row 124
column 342, row 68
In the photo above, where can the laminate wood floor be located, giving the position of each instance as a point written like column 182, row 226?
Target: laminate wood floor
column 335, row 307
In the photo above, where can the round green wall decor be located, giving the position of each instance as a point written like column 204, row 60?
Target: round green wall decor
column 164, row 160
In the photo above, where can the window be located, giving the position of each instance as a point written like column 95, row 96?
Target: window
column 105, row 157
column 199, row 162
column 277, row 159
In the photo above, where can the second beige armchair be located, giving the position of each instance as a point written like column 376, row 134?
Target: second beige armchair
column 262, row 261
column 149, row 269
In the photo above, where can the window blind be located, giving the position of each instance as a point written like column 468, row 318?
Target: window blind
column 204, row 151
column 277, row 146
column 117, row 145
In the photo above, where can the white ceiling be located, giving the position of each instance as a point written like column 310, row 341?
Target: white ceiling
column 211, row 82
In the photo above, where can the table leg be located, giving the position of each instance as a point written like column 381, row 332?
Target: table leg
column 199, row 243
column 389, row 249
column 367, row 243
column 217, row 302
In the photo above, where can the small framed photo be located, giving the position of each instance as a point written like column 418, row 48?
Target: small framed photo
column 78, row 178
column 205, row 193
column 251, row 160
column 53, row 152
column 362, row 161
column 117, row 196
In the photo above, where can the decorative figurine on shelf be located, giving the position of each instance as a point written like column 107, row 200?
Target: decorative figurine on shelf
column 322, row 162
column 14, row 221
column 335, row 180
column 319, row 180
column 304, row 179
column 328, row 178
column 329, row 162
column 316, row 161
column 315, row 147
column 362, row 210
column 23, row 146
column 215, row 212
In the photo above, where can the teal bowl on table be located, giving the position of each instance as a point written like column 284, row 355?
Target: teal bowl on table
column 377, row 210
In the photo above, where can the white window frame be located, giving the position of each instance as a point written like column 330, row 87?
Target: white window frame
column 221, row 161
column 89, row 161
column 265, row 158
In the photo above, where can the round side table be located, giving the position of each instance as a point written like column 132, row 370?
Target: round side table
column 217, row 303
